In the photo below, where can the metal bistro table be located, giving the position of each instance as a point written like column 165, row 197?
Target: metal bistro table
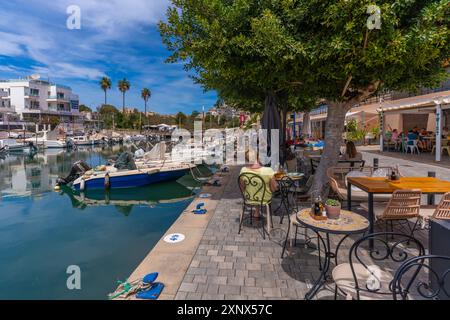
column 348, row 224
column 429, row 186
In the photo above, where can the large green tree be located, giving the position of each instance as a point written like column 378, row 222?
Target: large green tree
column 349, row 60
column 240, row 49
column 340, row 51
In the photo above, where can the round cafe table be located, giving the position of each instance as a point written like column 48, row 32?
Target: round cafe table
column 348, row 224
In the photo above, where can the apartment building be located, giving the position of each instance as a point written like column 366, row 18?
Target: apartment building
column 32, row 99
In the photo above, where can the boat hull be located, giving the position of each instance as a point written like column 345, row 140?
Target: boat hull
column 132, row 180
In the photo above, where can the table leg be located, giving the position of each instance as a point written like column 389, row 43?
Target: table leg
column 371, row 219
column 325, row 268
column 349, row 196
column 431, row 199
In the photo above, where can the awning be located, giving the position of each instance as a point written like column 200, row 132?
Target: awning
column 424, row 101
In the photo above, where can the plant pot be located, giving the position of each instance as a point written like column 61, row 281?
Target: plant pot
column 333, row 212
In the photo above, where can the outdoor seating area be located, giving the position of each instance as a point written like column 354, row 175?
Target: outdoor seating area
column 375, row 249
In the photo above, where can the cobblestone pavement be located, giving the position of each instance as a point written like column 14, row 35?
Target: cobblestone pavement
column 231, row 266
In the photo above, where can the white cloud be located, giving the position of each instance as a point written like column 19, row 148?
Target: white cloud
column 63, row 70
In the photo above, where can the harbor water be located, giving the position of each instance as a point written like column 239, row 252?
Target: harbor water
column 105, row 234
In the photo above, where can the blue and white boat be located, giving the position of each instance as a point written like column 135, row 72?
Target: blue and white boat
column 109, row 177
column 125, row 173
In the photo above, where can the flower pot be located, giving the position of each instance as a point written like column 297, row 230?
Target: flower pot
column 333, row 212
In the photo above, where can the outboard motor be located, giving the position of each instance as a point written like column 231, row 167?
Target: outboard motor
column 125, row 162
column 78, row 169
column 71, row 144
column 33, row 148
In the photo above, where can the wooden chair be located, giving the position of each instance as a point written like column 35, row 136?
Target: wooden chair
column 338, row 182
column 404, row 205
column 254, row 191
column 441, row 212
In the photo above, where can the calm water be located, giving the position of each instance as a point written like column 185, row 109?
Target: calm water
column 107, row 235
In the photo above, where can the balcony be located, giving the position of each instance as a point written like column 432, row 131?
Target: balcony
column 58, row 99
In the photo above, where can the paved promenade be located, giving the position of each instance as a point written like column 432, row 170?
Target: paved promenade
column 231, row 266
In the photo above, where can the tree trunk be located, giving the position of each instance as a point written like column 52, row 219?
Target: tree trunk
column 306, row 128
column 334, row 128
column 123, row 103
column 283, row 134
column 145, row 112
column 105, row 98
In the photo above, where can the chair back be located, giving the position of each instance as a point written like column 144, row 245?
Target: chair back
column 423, row 277
column 339, row 174
column 388, row 249
column 404, row 204
column 288, row 190
column 253, row 188
column 443, row 210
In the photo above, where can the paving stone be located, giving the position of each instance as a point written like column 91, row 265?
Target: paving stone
column 236, row 281
column 200, row 279
column 252, row 291
column 217, row 280
column 272, row 292
column 228, row 289
column 188, row 287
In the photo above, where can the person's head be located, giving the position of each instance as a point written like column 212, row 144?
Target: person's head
column 395, row 130
column 351, row 149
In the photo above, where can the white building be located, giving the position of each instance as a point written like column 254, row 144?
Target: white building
column 32, row 99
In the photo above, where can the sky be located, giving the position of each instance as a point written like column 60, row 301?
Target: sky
column 117, row 38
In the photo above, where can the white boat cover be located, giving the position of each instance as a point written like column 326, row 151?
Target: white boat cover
column 158, row 152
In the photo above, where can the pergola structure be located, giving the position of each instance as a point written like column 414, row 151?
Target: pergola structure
column 431, row 104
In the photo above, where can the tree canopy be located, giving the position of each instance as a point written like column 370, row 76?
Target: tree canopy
column 300, row 51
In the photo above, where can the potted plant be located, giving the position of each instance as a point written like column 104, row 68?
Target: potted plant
column 333, row 209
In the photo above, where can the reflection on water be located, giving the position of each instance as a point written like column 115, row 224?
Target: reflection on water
column 42, row 232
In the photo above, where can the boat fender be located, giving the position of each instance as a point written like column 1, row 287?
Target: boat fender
column 57, row 188
column 107, row 181
column 82, row 184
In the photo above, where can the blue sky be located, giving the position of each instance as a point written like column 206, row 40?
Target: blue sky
column 117, row 38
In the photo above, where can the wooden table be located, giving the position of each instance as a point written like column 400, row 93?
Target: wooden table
column 349, row 223
column 430, row 186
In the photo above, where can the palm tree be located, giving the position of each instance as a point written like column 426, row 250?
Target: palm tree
column 105, row 84
column 124, row 86
column 146, row 94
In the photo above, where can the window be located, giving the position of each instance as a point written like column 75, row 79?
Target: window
column 34, row 105
column 60, row 95
column 34, row 92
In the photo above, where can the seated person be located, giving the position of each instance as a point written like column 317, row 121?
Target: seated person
column 413, row 136
column 395, row 135
column 351, row 154
column 301, row 142
column 445, row 133
column 268, row 175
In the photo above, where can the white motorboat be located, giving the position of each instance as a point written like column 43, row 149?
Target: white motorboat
column 44, row 140
column 83, row 140
column 11, row 145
